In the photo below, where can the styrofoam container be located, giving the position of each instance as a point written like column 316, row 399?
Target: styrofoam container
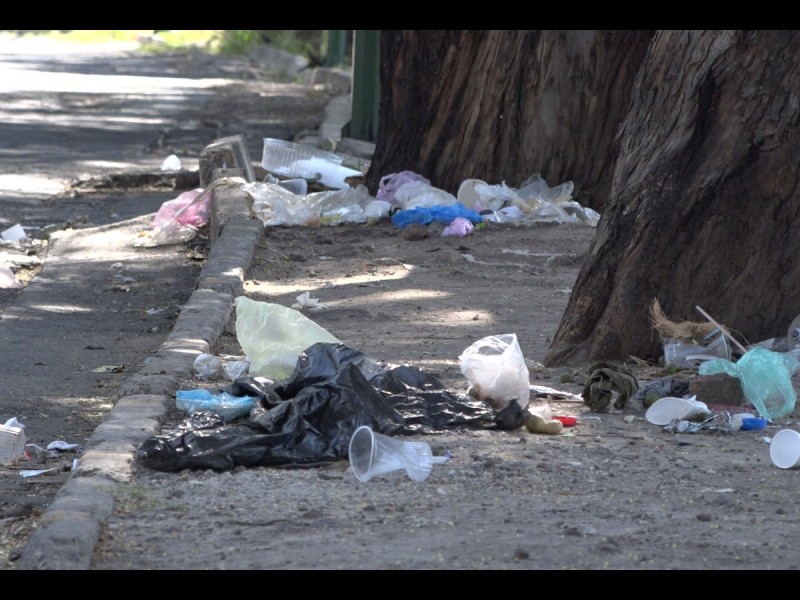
column 784, row 449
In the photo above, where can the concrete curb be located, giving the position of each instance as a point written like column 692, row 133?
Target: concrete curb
column 70, row 528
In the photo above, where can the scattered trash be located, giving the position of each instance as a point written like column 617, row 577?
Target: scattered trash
column 389, row 184
column 541, row 423
column 15, row 233
column 63, row 446
column 747, row 422
column 273, row 336
column 227, row 406
column 332, row 391
column 109, row 369
column 9, row 280
column 179, row 220
column 305, row 300
column 665, row 410
column 766, row 379
column 275, row 205
column 235, row 369
column 210, row 367
column 419, row 194
column 459, row 227
column 171, row 163
column 723, row 422
column 496, row 371
column 608, row 382
column 784, row 449
column 36, row 472
column 300, row 161
column 660, row 388
column 207, row 366
column 12, row 442
column 589, row 419
column 440, row 214
column 687, row 353
column 374, row 454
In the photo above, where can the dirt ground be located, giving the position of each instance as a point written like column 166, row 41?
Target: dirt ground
column 611, row 492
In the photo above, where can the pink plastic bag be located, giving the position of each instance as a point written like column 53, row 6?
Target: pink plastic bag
column 185, row 210
column 459, row 227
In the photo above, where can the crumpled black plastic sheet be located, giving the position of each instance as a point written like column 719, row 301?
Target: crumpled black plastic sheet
column 308, row 419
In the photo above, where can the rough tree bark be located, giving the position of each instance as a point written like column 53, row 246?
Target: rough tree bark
column 502, row 105
column 704, row 202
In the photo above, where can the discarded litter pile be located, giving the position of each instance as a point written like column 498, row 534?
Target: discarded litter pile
column 305, row 394
column 301, row 395
column 310, row 418
column 17, row 252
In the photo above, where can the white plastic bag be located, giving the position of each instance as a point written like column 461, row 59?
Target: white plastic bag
column 496, row 370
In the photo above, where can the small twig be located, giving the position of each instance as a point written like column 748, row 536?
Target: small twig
column 722, row 329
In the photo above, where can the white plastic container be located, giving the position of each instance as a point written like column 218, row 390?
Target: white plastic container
column 665, row 410
column 299, row 161
column 12, row 444
column 784, row 449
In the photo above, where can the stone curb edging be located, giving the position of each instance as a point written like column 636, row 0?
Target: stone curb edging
column 69, row 529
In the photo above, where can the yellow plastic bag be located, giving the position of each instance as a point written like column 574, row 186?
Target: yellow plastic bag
column 273, row 336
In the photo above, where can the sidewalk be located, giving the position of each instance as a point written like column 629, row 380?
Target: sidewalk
column 69, row 528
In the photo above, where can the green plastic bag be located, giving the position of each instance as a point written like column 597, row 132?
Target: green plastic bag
column 766, row 379
column 273, row 336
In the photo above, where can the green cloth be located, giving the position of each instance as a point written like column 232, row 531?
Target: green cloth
column 605, row 381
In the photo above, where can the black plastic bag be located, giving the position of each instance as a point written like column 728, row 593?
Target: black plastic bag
column 332, row 391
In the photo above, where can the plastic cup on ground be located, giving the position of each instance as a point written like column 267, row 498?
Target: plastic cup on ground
column 784, row 450
column 373, row 454
column 683, row 353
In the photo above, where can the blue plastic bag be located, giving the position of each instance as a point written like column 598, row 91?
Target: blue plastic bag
column 442, row 214
column 227, row 406
column 766, row 379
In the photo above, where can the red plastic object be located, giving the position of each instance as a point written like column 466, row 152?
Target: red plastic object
column 566, row 421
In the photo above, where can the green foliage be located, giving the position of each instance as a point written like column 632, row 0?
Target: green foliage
column 233, row 42
column 238, row 41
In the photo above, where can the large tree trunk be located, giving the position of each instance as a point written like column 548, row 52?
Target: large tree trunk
column 704, row 202
column 502, row 105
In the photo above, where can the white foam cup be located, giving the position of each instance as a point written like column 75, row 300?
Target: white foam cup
column 784, row 450
column 665, row 410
